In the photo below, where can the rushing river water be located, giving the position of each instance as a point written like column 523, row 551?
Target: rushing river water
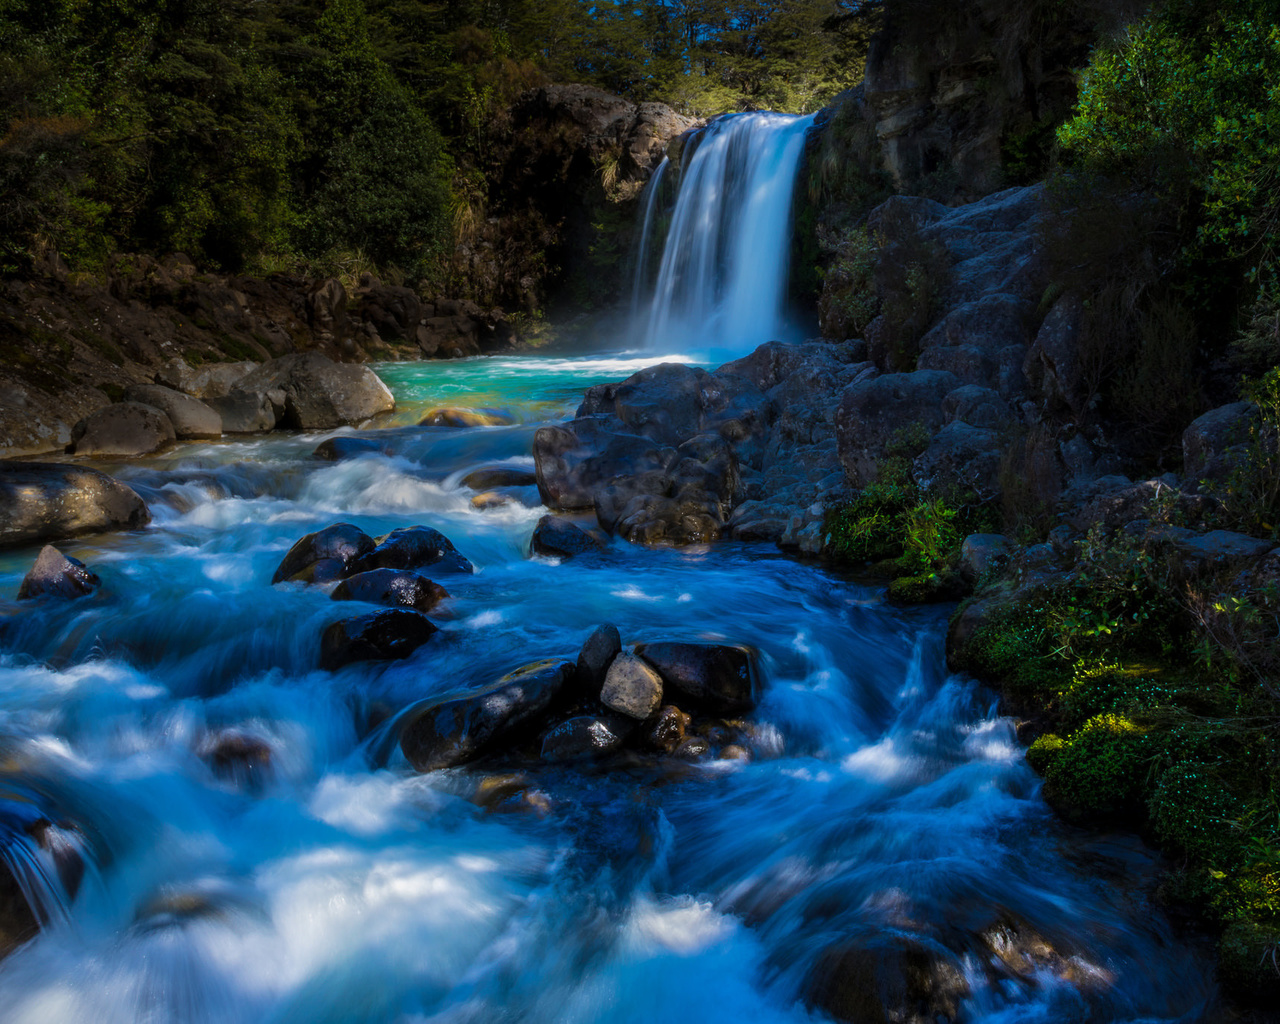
column 886, row 801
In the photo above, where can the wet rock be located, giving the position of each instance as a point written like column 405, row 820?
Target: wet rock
column 982, row 551
column 124, row 429
column 238, row 756
column 1213, row 444
column 320, row 394
column 1206, row 553
column 557, row 537
column 586, row 736
column 57, row 575
column 575, row 460
column 597, row 654
column 328, row 554
column 18, row 923
column 246, row 412
column 339, row 449
column 692, row 748
column 900, row 980
column 668, row 729
column 491, row 499
column 717, row 677
column 734, row 752
column 510, row 793
column 459, row 419
column 47, row 501
column 191, row 418
column 454, row 730
column 414, row 547
column 499, row 476
column 395, row 588
column 631, row 687
column 380, row 636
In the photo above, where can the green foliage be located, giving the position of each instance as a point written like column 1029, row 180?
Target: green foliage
column 849, row 302
column 912, row 277
column 1251, row 493
column 1099, row 771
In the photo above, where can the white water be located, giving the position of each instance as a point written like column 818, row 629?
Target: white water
column 886, row 798
column 722, row 281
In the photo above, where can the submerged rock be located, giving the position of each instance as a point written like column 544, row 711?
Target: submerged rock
column 379, row 636
column 395, row 588
column 556, row 537
column 717, row 677
column 901, row 980
column 57, row 575
column 338, row 449
column 463, row 418
column 668, row 729
column 499, row 476
column 631, row 687
column 191, row 418
column 327, row 554
column 453, row 730
column 125, row 429
column 46, row 501
column 238, row 756
column 414, row 547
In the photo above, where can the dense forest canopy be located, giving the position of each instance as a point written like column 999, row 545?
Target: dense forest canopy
column 266, row 134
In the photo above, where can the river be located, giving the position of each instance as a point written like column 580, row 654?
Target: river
column 887, row 805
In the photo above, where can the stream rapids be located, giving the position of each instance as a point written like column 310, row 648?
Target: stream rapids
column 886, row 800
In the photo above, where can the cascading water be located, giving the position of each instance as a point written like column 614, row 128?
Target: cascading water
column 722, row 281
column 887, row 811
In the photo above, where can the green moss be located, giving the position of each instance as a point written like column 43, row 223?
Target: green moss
column 1249, row 963
column 1097, row 773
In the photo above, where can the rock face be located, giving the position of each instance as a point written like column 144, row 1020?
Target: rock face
column 380, row 636
column 126, row 429
column 716, row 677
column 328, row 554
column 395, row 588
column 46, row 501
column 190, row 417
column 320, row 394
column 57, row 575
column 454, row 730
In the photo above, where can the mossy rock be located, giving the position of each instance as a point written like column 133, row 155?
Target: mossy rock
column 927, row 588
column 1099, row 773
column 1249, row 961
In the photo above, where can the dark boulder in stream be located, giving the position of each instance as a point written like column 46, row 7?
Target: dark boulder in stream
column 717, row 677
column 125, row 429
column 414, row 547
column 452, row 730
column 59, row 576
column 47, row 501
column 327, row 554
column 395, row 588
column 338, row 449
column 597, row 654
column 556, row 537
column 586, row 736
column 902, row 981
column 380, row 636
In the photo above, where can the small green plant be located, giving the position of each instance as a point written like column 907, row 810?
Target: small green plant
column 1251, row 494
column 848, row 302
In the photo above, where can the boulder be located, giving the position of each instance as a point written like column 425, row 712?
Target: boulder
column 325, row 555
column 213, row 380
column 982, row 551
column 717, row 677
column 577, row 459
column 586, row 736
column 339, row 449
column 887, row 979
column 413, row 547
column 246, row 412
column 960, row 458
column 320, row 394
column 499, row 476
column 1212, row 444
column 872, row 411
column 447, row 731
column 48, row 501
column 597, row 654
column 463, row 418
column 191, row 418
column 380, row 636
column 124, row 429
column 56, row 575
column 631, row 687
column 977, row 407
column 1052, row 364
column 557, row 537
column 395, row 588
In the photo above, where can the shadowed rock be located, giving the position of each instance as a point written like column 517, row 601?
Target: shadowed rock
column 128, row 428
column 499, row 476
column 396, row 588
column 454, row 730
column 586, row 736
column 337, row 449
column 717, row 677
column 559, row 538
column 57, row 575
column 324, row 555
column 380, row 636
column 191, row 418
column 597, row 654
column 46, row 501
column 414, row 547
column 320, row 394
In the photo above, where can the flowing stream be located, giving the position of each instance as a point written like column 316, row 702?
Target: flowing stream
column 886, row 801
column 722, row 278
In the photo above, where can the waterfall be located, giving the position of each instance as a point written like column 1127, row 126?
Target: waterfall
column 722, row 280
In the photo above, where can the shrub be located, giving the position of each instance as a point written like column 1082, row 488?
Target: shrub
column 912, row 277
column 848, row 302
column 1100, row 771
